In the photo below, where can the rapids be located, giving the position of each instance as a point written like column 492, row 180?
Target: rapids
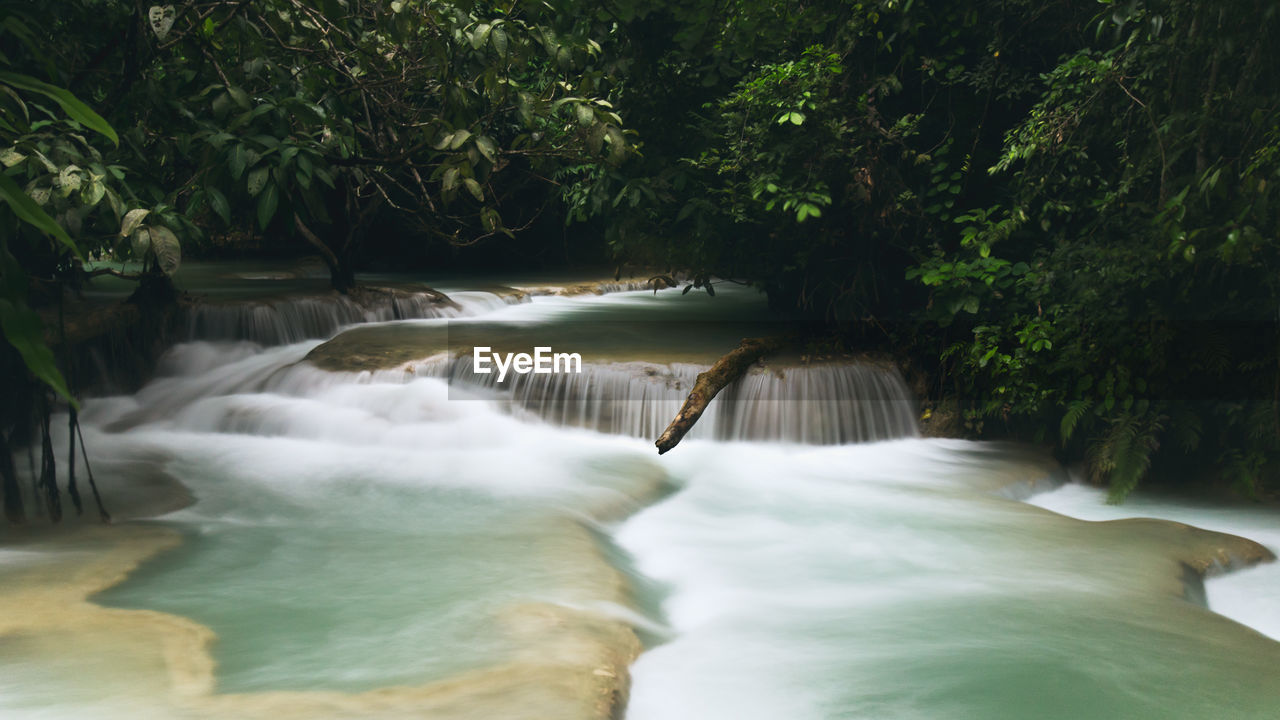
column 357, row 526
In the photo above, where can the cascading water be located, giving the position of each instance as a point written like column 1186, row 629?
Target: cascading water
column 379, row 542
column 618, row 392
column 824, row 405
column 293, row 319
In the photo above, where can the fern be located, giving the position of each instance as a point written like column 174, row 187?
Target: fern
column 1075, row 411
column 1122, row 456
column 1242, row 470
column 1187, row 429
column 1215, row 353
column 1262, row 421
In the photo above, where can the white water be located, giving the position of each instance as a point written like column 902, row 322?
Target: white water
column 292, row 319
column 629, row 387
column 354, row 531
column 873, row 582
column 381, row 511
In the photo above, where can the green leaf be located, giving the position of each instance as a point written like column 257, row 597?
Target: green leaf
column 499, row 39
column 10, row 157
column 617, row 145
column 140, row 243
column 324, row 176
column 450, row 179
column 480, row 36
column 487, row 147
column 166, row 249
column 474, row 188
column 239, row 97
column 117, row 206
column 93, row 193
column 161, row 20
column 132, row 220
column 24, row 331
column 29, row 212
column 267, row 205
column 74, row 109
column 458, row 138
column 304, row 168
column 586, row 116
column 595, row 140
column 268, row 142
column 48, row 165
column 237, row 162
column 219, row 203
column 257, row 179
column 69, row 180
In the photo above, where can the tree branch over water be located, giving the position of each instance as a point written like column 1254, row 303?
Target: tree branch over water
column 728, row 368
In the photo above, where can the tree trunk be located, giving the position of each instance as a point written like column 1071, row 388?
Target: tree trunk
column 709, row 383
column 13, row 507
column 341, row 275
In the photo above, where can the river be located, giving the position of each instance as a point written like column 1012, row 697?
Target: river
column 362, row 528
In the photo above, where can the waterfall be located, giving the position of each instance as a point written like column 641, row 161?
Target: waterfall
column 819, row 404
column 290, row 319
column 399, row 536
column 286, row 320
column 823, row 404
column 828, row 404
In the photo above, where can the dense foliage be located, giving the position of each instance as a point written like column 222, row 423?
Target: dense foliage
column 1064, row 212
column 1125, row 284
column 307, row 122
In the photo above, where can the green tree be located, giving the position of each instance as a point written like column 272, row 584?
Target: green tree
column 1123, row 294
column 313, row 118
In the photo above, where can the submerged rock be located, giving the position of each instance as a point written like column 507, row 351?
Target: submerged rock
column 595, row 287
column 378, row 347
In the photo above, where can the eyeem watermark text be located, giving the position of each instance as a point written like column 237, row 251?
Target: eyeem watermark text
column 542, row 362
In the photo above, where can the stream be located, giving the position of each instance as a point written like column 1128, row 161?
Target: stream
column 359, row 526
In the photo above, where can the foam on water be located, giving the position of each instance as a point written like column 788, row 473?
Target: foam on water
column 379, row 523
column 354, row 531
column 819, row 403
column 885, row 581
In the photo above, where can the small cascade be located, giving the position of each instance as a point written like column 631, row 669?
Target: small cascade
column 821, row 404
column 831, row 404
column 289, row 320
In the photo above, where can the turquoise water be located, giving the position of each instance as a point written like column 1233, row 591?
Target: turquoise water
column 360, row 531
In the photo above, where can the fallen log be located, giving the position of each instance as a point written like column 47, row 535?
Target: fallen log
column 727, row 369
